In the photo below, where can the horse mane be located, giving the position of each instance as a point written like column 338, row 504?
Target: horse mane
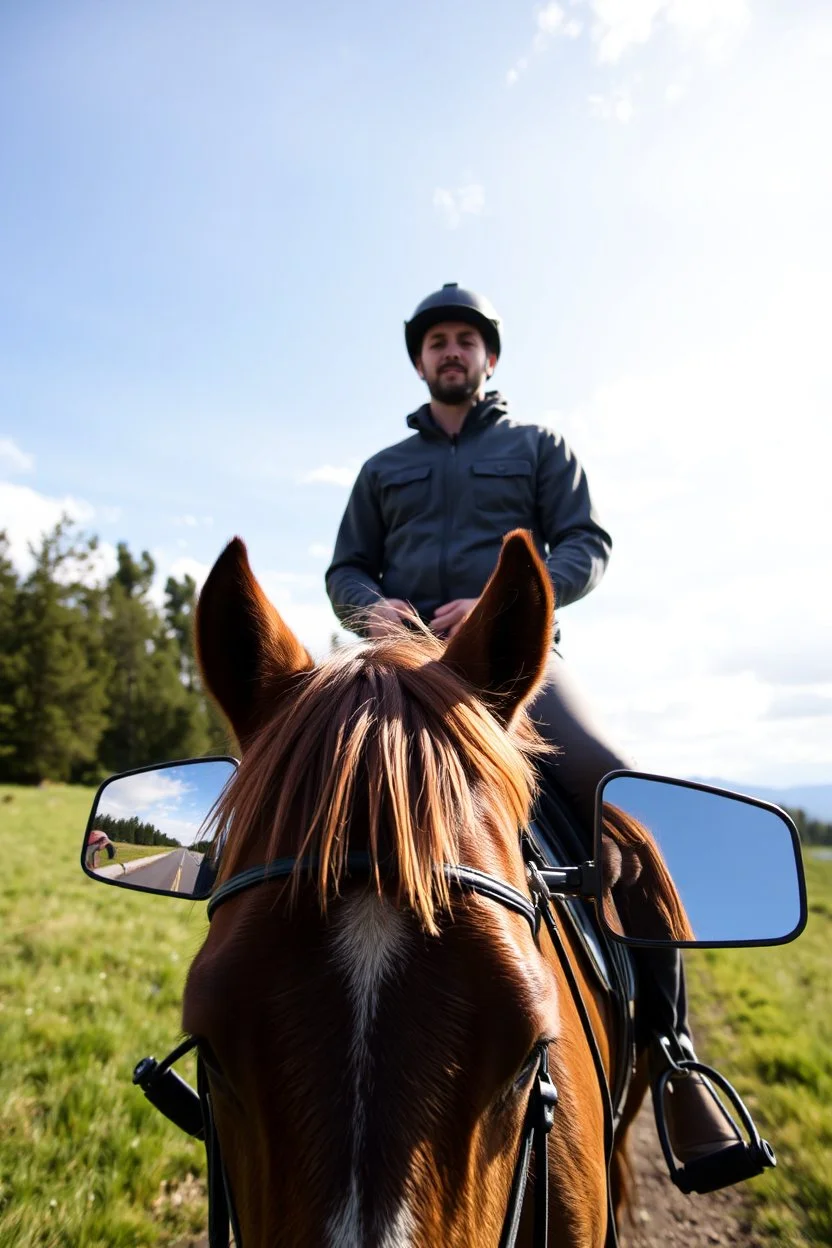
column 644, row 893
column 386, row 742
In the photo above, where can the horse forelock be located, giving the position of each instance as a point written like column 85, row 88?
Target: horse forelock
column 383, row 748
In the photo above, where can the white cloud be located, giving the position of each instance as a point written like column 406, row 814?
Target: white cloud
column 467, row 200
column 96, row 568
column 319, row 551
column 12, row 459
column 805, row 704
column 26, row 516
column 707, row 646
column 621, row 25
column 550, row 22
column 716, row 24
column 297, row 580
column 138, row 795
column 189, row 521
column 302, row 602
column 330, row 474
column 177, row 567
column 616, row 106
column 185, row 565
column 300, row 597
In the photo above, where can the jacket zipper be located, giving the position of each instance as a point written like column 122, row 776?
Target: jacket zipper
column 446, row 527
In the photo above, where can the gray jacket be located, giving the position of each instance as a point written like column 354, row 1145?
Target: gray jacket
column 426, row 517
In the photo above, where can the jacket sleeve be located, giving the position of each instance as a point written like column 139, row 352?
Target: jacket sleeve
column 353, row 579
column 579, row 549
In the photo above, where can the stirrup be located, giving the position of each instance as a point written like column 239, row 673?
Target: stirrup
column 725, row 1166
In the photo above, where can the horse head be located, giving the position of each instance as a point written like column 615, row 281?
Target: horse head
column 370, row 1039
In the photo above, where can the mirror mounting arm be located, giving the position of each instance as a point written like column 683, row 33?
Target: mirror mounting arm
column 580, row 881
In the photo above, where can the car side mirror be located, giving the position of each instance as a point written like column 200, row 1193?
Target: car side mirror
column 152, row 829
column 680, row 863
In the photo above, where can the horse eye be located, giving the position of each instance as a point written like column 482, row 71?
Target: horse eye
column 209, row 1058
column 527, row 1069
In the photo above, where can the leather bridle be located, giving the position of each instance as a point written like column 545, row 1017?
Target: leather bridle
column 192, row 1111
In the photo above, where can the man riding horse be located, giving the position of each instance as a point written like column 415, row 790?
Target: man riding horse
column 421, row 535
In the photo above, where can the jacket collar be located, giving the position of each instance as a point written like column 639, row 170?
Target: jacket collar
column 484, row 413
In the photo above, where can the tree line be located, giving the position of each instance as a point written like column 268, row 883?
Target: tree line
column 133, row 831
column 94, row 677
column 811, row 831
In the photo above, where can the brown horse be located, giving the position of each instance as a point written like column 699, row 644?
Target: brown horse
column 370, row 1043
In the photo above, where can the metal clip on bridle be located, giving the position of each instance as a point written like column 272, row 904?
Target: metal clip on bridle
column 191, row 1111
column 540, row 1118
column 169, row 1093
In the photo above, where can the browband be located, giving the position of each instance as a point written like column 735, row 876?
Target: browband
column 469, row 879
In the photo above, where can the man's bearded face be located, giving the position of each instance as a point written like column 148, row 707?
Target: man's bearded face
column 454, row 362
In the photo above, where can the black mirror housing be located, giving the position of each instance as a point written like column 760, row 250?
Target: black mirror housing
column 151, row 829
column 684, row 864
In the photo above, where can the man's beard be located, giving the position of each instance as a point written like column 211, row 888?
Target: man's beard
column 451, row 392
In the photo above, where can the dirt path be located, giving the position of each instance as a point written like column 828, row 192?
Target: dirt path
column 664, row 1218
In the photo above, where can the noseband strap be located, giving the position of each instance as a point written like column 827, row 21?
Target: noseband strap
column 192, row 1110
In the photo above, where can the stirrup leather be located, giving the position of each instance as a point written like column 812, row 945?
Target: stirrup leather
column 725, row 1166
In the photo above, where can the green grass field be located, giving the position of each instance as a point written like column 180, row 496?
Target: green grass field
column 767, row 1018
column 126, row 853
column 91, row 979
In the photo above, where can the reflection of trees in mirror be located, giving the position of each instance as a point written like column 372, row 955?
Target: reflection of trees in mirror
column 639, row 897
column 133, row 831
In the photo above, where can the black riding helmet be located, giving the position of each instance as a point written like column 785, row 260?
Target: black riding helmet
column 451, row 303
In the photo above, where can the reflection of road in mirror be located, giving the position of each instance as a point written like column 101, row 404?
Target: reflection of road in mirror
column 153, row 828
column 174, row 871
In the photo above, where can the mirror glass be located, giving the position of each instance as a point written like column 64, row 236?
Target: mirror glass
column 680, row 864
column 152, row 829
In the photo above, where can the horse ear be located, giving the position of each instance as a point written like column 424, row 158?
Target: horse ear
column 502, row 647
column 246, row 653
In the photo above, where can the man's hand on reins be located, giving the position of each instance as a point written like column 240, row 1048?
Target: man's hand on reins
column 386, row 613
column 448, row 619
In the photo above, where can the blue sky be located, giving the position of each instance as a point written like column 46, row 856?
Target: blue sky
column 733, row 863
column 176, row 800
column 214, row 222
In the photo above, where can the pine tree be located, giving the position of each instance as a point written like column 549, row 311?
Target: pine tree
column 157, row 712
column 10, row 666
column 209, row 732
column 60, row 670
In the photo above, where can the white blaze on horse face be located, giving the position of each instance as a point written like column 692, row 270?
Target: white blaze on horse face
column 370, row 945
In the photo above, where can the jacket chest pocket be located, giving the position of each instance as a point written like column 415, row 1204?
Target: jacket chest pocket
column 503, row 489
column 405, row 494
